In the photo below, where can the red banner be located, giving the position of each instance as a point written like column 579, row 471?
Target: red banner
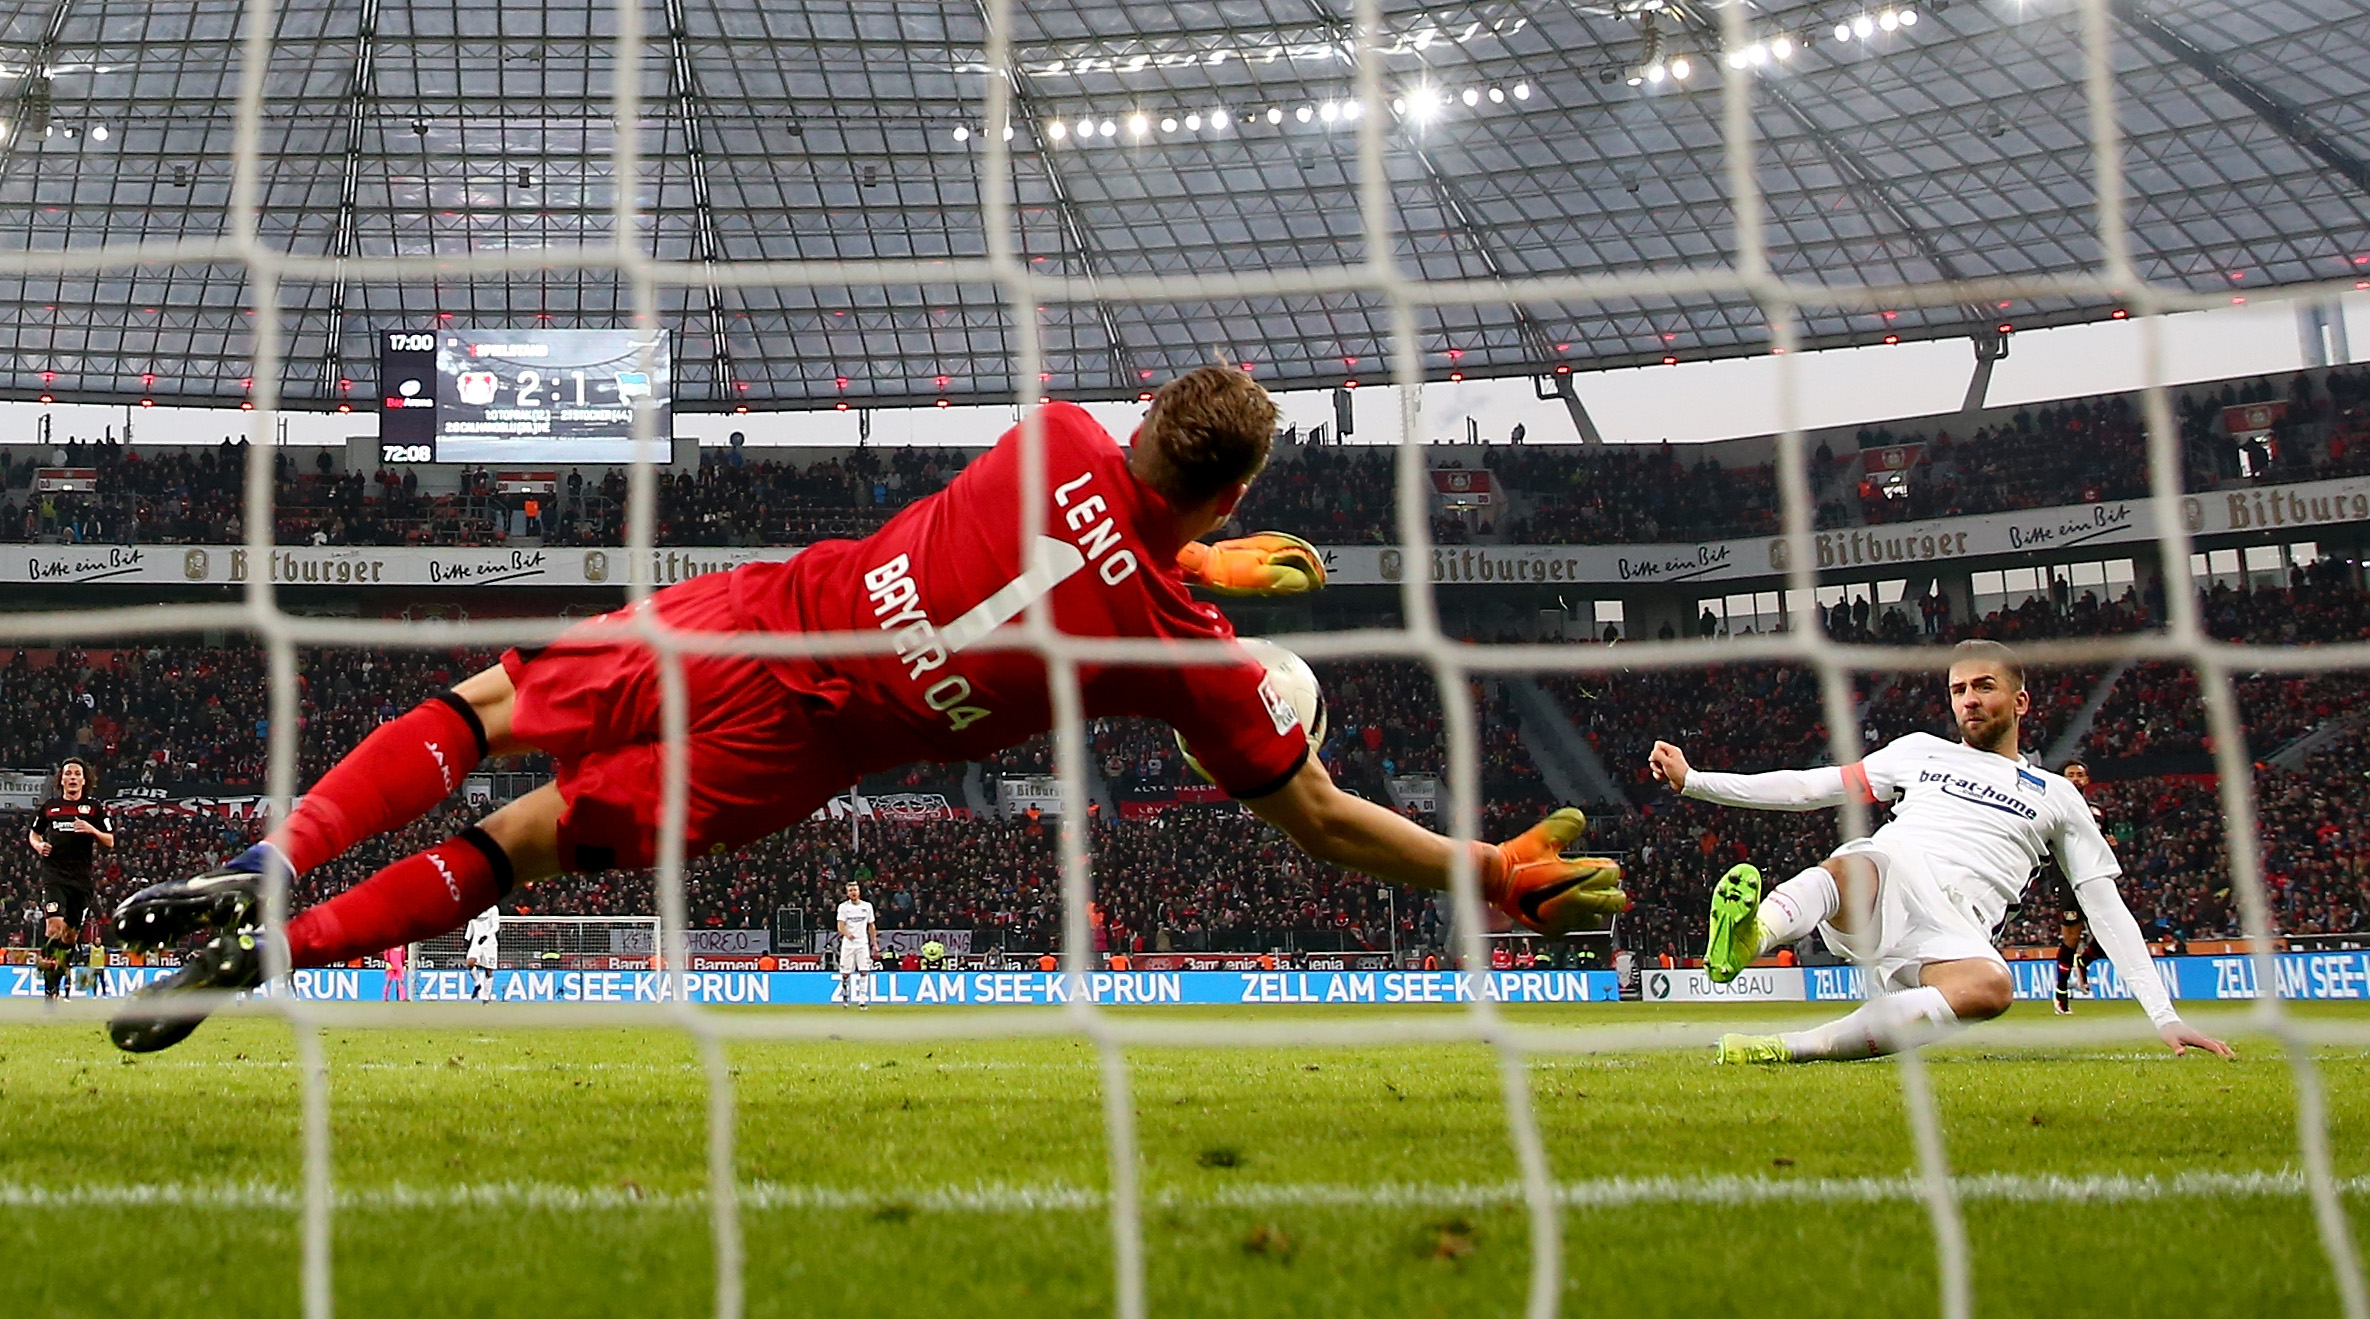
column 1891, row 458
column 1456, row 485
column 2254, row 418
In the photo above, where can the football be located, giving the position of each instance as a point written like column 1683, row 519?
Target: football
column 1290, row 679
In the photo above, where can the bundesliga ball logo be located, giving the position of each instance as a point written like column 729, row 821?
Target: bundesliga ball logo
column 1289, row 693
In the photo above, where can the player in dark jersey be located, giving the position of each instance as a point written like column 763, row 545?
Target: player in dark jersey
column 772, row 739
column 2075, row 948
column 66, row 833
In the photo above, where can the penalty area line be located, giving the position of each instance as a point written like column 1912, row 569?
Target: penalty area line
column 1599, row 1193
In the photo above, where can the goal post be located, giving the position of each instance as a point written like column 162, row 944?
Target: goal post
column 533, row 941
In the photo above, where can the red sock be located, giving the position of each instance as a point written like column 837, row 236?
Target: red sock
column 399, row 773
column 423, row 895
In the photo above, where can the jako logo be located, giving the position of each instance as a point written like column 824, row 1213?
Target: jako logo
column 443, row 770
column 451, row 885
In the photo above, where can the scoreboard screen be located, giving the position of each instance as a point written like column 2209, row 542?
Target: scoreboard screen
column 519, row 396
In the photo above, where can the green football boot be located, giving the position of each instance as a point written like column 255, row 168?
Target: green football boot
column 1753, row 1049
column 1736, row 924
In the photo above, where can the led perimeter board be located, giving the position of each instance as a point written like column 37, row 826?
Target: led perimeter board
column 518, row 396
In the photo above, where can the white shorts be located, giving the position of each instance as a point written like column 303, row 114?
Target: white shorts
column 1917, row 921
column 854, row 957
column 486, row 955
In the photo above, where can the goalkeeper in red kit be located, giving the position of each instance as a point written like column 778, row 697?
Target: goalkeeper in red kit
column 772, row 739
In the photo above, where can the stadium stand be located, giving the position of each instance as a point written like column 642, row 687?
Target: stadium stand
column 178, row 719
column 2076, row 451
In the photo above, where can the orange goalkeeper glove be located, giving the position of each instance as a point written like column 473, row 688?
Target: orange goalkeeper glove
column 1530, row 879
column 1270, row 563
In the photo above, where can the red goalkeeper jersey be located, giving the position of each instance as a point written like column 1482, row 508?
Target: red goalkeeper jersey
column 949, row 570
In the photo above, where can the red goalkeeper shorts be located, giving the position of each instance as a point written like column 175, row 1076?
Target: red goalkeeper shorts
column 758, row 760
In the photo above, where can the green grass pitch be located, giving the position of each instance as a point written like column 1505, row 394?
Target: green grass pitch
column 560, row 1172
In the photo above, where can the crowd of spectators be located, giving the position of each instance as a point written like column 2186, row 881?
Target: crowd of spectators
column 1185, row 879
column 1386, row 721
column 1383, row 721
column 2080, row 451
column 182, row 714
column 1194, row 878
column 1615, row 494
column 1211, row 878
column 2316, row 432
column 732, row 502
column 2156, row 712
column 1331, row 496
column 194, row 496
column 1129, row 753
column 2092, row 450
column 169, row 716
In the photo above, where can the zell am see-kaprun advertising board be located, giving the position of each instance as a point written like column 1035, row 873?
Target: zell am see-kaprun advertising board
column 2337, row 976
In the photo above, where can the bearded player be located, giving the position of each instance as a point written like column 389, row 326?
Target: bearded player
column 1918, row 903
column 771, row 740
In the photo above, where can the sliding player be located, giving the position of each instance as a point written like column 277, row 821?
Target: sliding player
column 772, row 739
column 2075, row 947
column 1918, row 902
column 67, row 832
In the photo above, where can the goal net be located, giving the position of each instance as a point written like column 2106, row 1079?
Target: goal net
column 1385, row 276
column 555, row 942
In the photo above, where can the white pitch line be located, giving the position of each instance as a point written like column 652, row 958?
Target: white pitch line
column 994, row 1198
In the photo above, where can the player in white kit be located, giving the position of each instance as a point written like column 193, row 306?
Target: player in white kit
column 484, row 934
column 859, row 949
column 1919, row 902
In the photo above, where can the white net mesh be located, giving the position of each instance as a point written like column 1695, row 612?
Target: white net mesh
column 1422, row 639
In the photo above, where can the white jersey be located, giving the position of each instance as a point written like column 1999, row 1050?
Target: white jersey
column 483, row 934
column 1982, row 822
column 856, row 921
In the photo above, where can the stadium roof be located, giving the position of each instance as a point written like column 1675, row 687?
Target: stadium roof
column 1952, row 146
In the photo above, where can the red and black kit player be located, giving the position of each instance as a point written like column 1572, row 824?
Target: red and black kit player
column 2076, row 950
column 67, row 833
column 771, row 740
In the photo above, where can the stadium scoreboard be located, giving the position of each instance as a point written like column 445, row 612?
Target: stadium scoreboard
column 519, row 396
